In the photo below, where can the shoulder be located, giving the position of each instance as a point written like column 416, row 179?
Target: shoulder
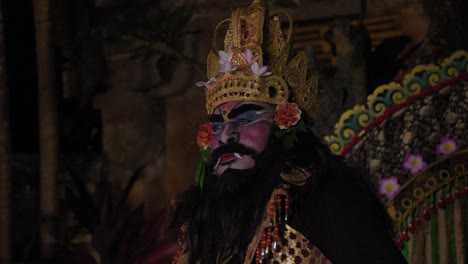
column 343, row 218
column 340, row 193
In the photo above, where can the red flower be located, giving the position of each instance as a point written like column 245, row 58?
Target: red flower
column 287, row 115
column 204, row 136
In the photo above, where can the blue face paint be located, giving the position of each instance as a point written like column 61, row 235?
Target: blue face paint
column 242, row 120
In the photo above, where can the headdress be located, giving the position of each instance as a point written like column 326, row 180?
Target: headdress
column 256, row 63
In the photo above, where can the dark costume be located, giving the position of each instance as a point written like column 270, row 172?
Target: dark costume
column 333, row 218
column 288, row 200
column 343, row 220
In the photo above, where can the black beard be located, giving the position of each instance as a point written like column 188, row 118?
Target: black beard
column 231, row 181
column 226, row 213
column 240, row 180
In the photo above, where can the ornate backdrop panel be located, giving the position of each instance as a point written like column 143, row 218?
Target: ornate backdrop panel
column 411, row 139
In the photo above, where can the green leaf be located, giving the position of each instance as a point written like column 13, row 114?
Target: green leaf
column 301, row 126
column 200, row 173
column 206, row 154
column 201, row 168
column 279, row 133
column 289, row 140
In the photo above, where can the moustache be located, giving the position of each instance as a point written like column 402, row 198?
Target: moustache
column 230, row 148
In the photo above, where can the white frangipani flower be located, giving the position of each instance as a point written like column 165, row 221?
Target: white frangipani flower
column 249, row 56
column 227, row 67
column 207, row 83
column 224, row 56
column 259, row 71
column 225, row 61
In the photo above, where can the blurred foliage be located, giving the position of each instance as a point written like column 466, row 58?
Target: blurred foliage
column 158, row 32
column 287, row 3
column 165, row 26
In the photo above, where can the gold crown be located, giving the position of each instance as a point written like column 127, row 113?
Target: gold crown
column 235, row 78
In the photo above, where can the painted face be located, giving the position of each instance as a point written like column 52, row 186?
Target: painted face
column 240, row 131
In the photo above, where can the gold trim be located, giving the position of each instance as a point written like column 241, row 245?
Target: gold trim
column 408, row 200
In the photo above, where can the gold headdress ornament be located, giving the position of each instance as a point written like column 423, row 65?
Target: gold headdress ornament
column 255, row 37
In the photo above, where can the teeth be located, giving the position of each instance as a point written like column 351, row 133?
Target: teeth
column 217, row 163
column 237, row 155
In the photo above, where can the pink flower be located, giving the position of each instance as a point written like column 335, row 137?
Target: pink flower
column 249, row 56
column 204, row 136
column 206, row 84
column 259, row 71
column 287, row 115
column 447, row 146
column 389, row 187
column 414, row 163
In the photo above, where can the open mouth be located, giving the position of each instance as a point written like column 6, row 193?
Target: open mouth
column 227, row 158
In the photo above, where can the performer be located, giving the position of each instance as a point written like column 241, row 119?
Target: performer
column 268, row 190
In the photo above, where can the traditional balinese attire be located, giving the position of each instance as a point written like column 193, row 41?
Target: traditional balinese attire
column 331, row 220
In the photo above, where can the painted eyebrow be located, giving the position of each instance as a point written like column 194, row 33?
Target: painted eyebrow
column 236, row 111
column 216, row 118
column 244, row 108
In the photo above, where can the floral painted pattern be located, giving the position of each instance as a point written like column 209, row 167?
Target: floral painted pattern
column 382, row 150
column 447, row 146
column 414, row 163
column 389, row 187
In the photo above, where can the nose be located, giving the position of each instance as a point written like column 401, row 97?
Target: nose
column 229, row 134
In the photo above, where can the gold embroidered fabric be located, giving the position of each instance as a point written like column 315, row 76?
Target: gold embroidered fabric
column 297, row 250
column 293, row 247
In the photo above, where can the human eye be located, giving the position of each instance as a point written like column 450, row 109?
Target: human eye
column 246, row 119
column 243, row 121
column 217, row 127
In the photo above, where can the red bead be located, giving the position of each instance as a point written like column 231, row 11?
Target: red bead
column 432, row 209
column 457, row 194
column 465, row 191
column 410, row 229
column 399, row 244
column 404, row 236
column 425, row 215
column 441, row 204
column 448, row 199
column 417, row 221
